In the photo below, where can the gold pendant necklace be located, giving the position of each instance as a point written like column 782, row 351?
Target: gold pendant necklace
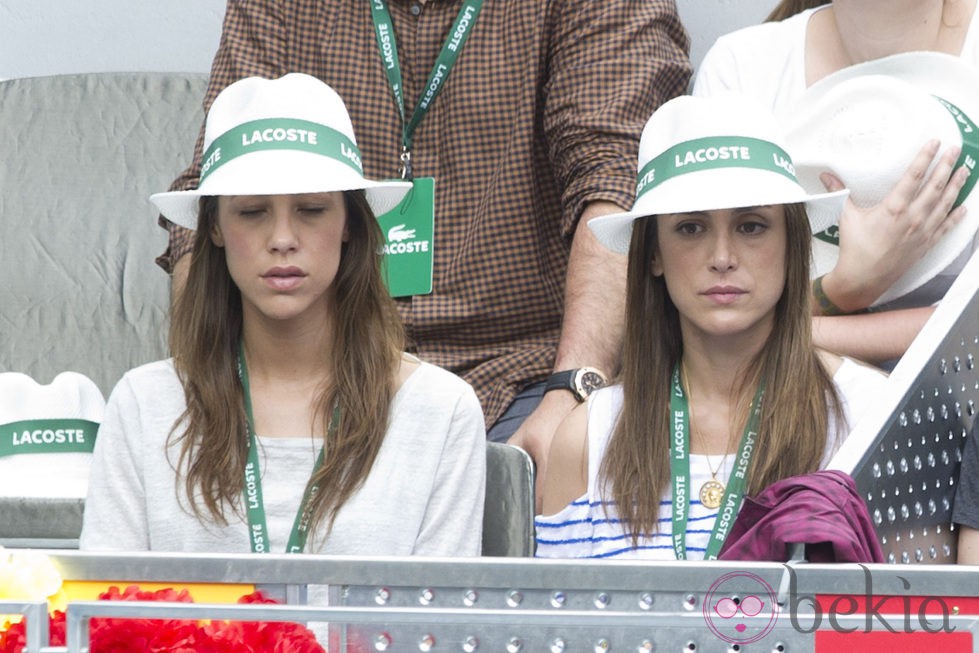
column 711, row 493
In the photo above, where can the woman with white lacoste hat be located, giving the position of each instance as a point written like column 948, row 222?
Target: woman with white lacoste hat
column 806, row 44
column 721, row 391
column 288, row 419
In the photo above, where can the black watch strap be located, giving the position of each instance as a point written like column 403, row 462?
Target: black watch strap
column 561, row 381
column 581, row 382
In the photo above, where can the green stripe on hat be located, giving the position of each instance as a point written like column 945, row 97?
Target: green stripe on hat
column 48, row 436
column 968, row 158
column 280, row 134
column 970, row 147
column 712, row 153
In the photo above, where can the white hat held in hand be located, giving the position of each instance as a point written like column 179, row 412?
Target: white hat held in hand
column 866, row 123
column 707, row 153
column 47, row 433
column 278, row 137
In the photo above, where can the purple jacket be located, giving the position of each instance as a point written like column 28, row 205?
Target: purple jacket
column 821, row 510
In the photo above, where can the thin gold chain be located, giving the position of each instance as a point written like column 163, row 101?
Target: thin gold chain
column 686, row 391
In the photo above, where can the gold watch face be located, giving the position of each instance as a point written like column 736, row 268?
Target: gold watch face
column 588, row 381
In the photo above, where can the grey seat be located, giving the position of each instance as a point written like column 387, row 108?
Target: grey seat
column 40, row 523
column 508, row 515
column 81, row 155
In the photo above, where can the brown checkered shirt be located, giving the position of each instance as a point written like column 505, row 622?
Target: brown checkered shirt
column 540, row 115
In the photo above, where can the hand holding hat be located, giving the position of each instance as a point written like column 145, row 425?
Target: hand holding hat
column 883, row 238
column 874, row 126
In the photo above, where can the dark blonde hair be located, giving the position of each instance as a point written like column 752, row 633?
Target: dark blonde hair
column 205, row 330
column 799, row 392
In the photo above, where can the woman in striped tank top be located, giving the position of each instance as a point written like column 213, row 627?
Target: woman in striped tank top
column 721, row 390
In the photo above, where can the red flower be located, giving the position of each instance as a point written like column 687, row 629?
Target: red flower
column 175, row 635
column 261, row 636
column 133, row 593
column 150, row 635
column 256, row 597
column 13, row 639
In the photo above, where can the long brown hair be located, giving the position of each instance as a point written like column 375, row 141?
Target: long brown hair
column 798, row 390
column 205, row 330
column 788, row 8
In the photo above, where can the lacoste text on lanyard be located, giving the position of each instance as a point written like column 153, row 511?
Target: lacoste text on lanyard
column 384, row 27
column 680, row 470
column 258, row 530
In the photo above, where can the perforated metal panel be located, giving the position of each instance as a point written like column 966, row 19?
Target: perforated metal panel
column 526, row 606
column 530, row 619
column 909, row 481
column 908, row 475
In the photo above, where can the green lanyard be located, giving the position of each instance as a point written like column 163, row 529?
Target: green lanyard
column 384, row 28
column 680, row 470
column 258, row 530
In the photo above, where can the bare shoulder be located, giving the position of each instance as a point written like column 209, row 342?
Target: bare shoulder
column 567, row 462
column 831, row 362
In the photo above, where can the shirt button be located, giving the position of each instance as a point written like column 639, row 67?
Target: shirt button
column 415, row 9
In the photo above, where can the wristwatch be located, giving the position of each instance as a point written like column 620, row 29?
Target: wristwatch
column 581, row 382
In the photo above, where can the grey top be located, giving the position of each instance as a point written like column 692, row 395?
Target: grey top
column 423, row 496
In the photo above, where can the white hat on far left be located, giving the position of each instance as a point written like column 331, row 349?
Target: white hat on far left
column 47, row 433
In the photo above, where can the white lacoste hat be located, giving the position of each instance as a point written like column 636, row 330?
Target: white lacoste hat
column 707, row 153
column 867, row 122
column 277, row 137
column 47, row 433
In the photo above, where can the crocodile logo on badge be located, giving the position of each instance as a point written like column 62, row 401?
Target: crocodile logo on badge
column 398, row 233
